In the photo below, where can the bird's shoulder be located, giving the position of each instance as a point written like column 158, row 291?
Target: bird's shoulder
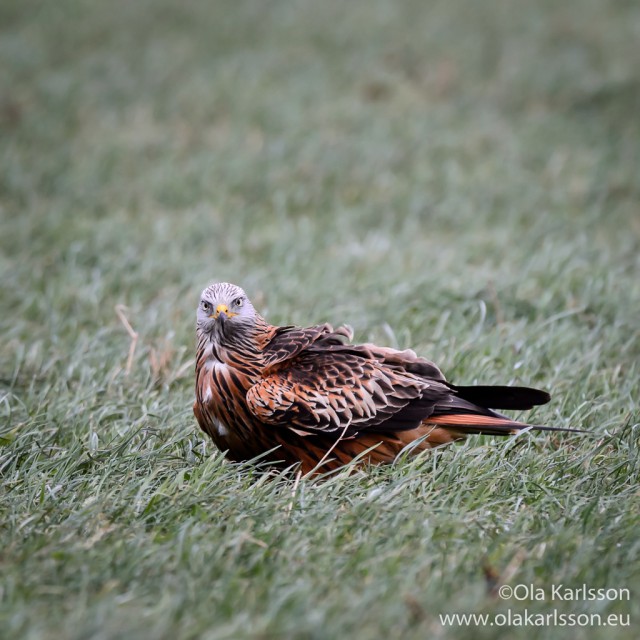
column 321, row 345
column 285, row 343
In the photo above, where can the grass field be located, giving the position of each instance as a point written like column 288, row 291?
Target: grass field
column 458, row 177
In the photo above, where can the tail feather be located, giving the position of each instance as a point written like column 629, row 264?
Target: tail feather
column 468, row 423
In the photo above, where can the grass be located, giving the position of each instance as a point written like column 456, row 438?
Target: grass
column 456, row 177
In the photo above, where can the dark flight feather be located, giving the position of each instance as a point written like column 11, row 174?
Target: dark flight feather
column 502, row 397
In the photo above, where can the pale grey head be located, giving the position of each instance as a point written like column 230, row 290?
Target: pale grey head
column 224, row 309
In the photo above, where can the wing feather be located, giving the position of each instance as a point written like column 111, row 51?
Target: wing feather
column 341, row 390
column 314, row 383
column 287, row 342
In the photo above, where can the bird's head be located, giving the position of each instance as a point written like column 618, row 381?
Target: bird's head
column 223, row 309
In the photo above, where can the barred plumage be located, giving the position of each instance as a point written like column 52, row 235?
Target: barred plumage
column 319, row 400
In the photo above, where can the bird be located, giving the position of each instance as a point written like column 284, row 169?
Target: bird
column 311, row 398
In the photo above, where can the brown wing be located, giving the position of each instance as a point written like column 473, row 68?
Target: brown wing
column 344, row 389
column 287, row 342
column 330, row 387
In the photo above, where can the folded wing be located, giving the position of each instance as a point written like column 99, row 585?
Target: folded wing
column 313, row 383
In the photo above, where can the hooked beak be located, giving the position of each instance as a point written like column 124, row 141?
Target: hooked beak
column 224, row 310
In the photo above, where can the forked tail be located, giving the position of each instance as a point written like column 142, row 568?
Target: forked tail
column 471, row 410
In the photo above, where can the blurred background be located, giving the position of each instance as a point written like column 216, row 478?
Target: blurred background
column 350, row 162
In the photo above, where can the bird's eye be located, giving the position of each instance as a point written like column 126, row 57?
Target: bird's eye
column 206, row 306
column 238, row 302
